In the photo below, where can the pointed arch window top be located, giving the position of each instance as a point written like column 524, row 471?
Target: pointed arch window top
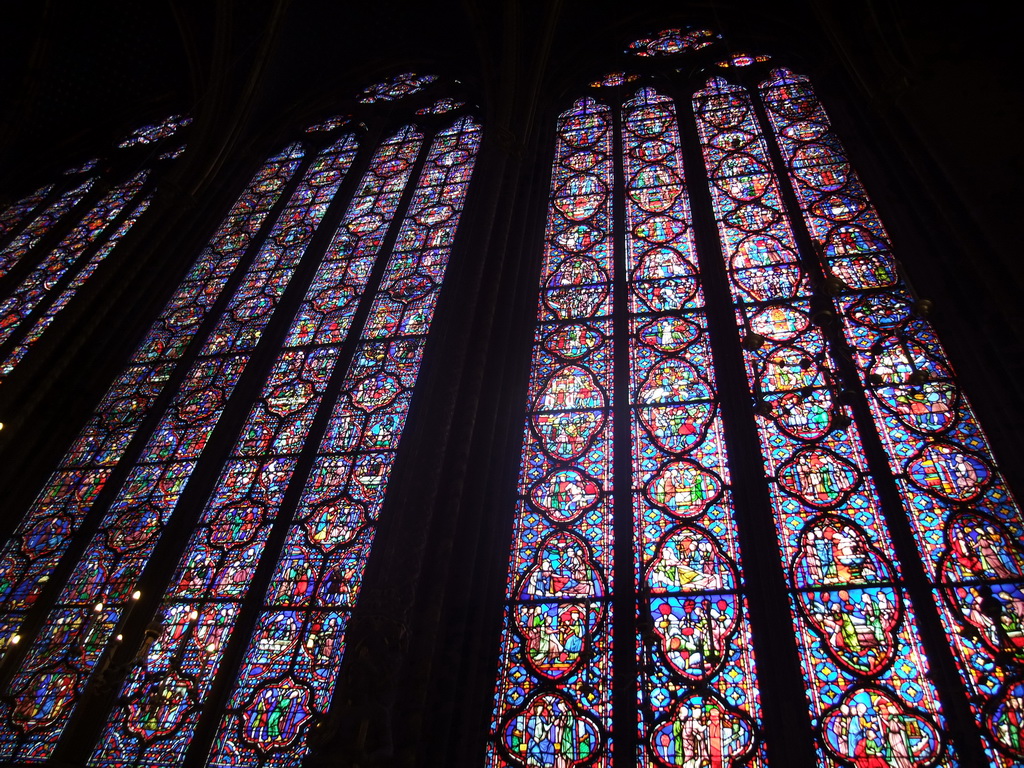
column 148, row 134
column 329, row 124
column 738, row 60
column 294, row 151
column 783, row 76
column 613, row 79
column 672, row 42
column 396, row 87
column 172, row 153
column 441, row 106
column 86, row 166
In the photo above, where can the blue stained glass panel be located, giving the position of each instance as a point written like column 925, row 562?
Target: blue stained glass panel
column 967, row 524
column 65, row 257
column 29, row 556
column 134, row 522
column 555, row 660
column 291, row 663
column 16, row 213
column 46, row 317
column 43, row 222
column 855, row 627
column 697, row 667
column 216, row 568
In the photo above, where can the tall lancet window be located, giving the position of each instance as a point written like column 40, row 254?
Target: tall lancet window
column 175, row 602
column 53, row 240
column 737, row 412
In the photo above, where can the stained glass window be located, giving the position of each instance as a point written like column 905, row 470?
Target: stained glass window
column 614, row 79
column 41, row 283
column 396, row 87
column 218, row 563
column 441, row 106
column 39, row 697
column 150, row 134
column 699, row 674
column 853, row 620
column 781, row 271
column 16, row 307
column 88, row 165
column 279, row 540
column 556, row 652
column 741, row 60
column 329, row 124
column 670, row 42
column 966, row 524
column 13, row 251
column 46, row 317
column 291, row 662
column 16, row 213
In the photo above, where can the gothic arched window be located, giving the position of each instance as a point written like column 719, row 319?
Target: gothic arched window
column 45, row 258
column 170, row 600
column 750, row 486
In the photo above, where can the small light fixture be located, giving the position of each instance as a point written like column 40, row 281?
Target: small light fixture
column 847, row 396
column 923, row 307
column 753, row 341
column 823, row 318
column 832, row 286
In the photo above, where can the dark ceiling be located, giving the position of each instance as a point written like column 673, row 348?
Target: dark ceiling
column 78, row 72
column 939, row 84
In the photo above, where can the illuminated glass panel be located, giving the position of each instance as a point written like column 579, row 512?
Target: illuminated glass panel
column 171, row 154
column 967, row 525
column 865, row 671
column 440, row 107
column 741, row 60
column 47, row 317
column 291, row 664
column 129, row 532
column 16, row 213
column 697, row 667
column 31, row 554
column 162, row 700
column 396, row 88
column 613, row 79
column 88, row 165
column 670, row 42
column 25, row 240
column 329, row 124
column 150, row 134
column 555, row 663
column 49, row 273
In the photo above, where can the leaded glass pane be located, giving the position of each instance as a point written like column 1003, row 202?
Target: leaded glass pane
column 291, row 663
column 38, row 698
column 553, row 697
column 698, row 673
column 967, row 525
column 864, row 667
